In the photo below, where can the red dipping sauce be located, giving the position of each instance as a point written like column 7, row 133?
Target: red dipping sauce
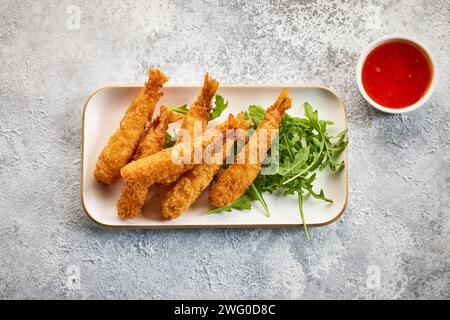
column 397, row 74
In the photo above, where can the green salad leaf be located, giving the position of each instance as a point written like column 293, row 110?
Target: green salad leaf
column 256, row 113
column 255, row 194
column 300, row 205
column 304, row 148
column 169, row 140
column 243, row 203
column 219, row 106
column 180, row 109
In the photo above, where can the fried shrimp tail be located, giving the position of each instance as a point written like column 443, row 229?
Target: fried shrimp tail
column 186, row 190
column 151, row 143
column 122, row 144
column 153, row 139
column 200, row 108
column 198, row 113
column 235, row 180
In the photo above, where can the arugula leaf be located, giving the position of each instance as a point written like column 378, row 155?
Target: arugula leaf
column 256, row 113
column 243, row 203
column 330, row 150
column 287, row 146
column 304, row 147
column 255, row 194
column 219, row 106
column 180, row 109
column 169, row 141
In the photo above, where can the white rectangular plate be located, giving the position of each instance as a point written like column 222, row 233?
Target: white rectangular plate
column 101, row 116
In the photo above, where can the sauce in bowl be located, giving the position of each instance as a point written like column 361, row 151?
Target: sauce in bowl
column 396, row 74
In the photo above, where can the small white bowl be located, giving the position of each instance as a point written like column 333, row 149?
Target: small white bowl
column 373, row 45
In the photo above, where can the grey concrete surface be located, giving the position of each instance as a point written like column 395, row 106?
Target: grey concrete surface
column 397, row 221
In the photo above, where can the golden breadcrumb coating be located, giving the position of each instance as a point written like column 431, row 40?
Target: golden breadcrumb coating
column 199, row 111
column 122, row 144
column 151, row 143
column 237, row 178
column 186, row 190
column 153, row 139
column 139, row 175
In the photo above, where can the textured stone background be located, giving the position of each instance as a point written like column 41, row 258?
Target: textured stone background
column 399, row 205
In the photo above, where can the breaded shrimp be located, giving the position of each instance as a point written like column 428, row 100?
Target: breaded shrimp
column 153, row 139
column 235, row 180
column 151, row 143
column 122, row 144
column 186, row 190
column 198, row 112
column 141, row 174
